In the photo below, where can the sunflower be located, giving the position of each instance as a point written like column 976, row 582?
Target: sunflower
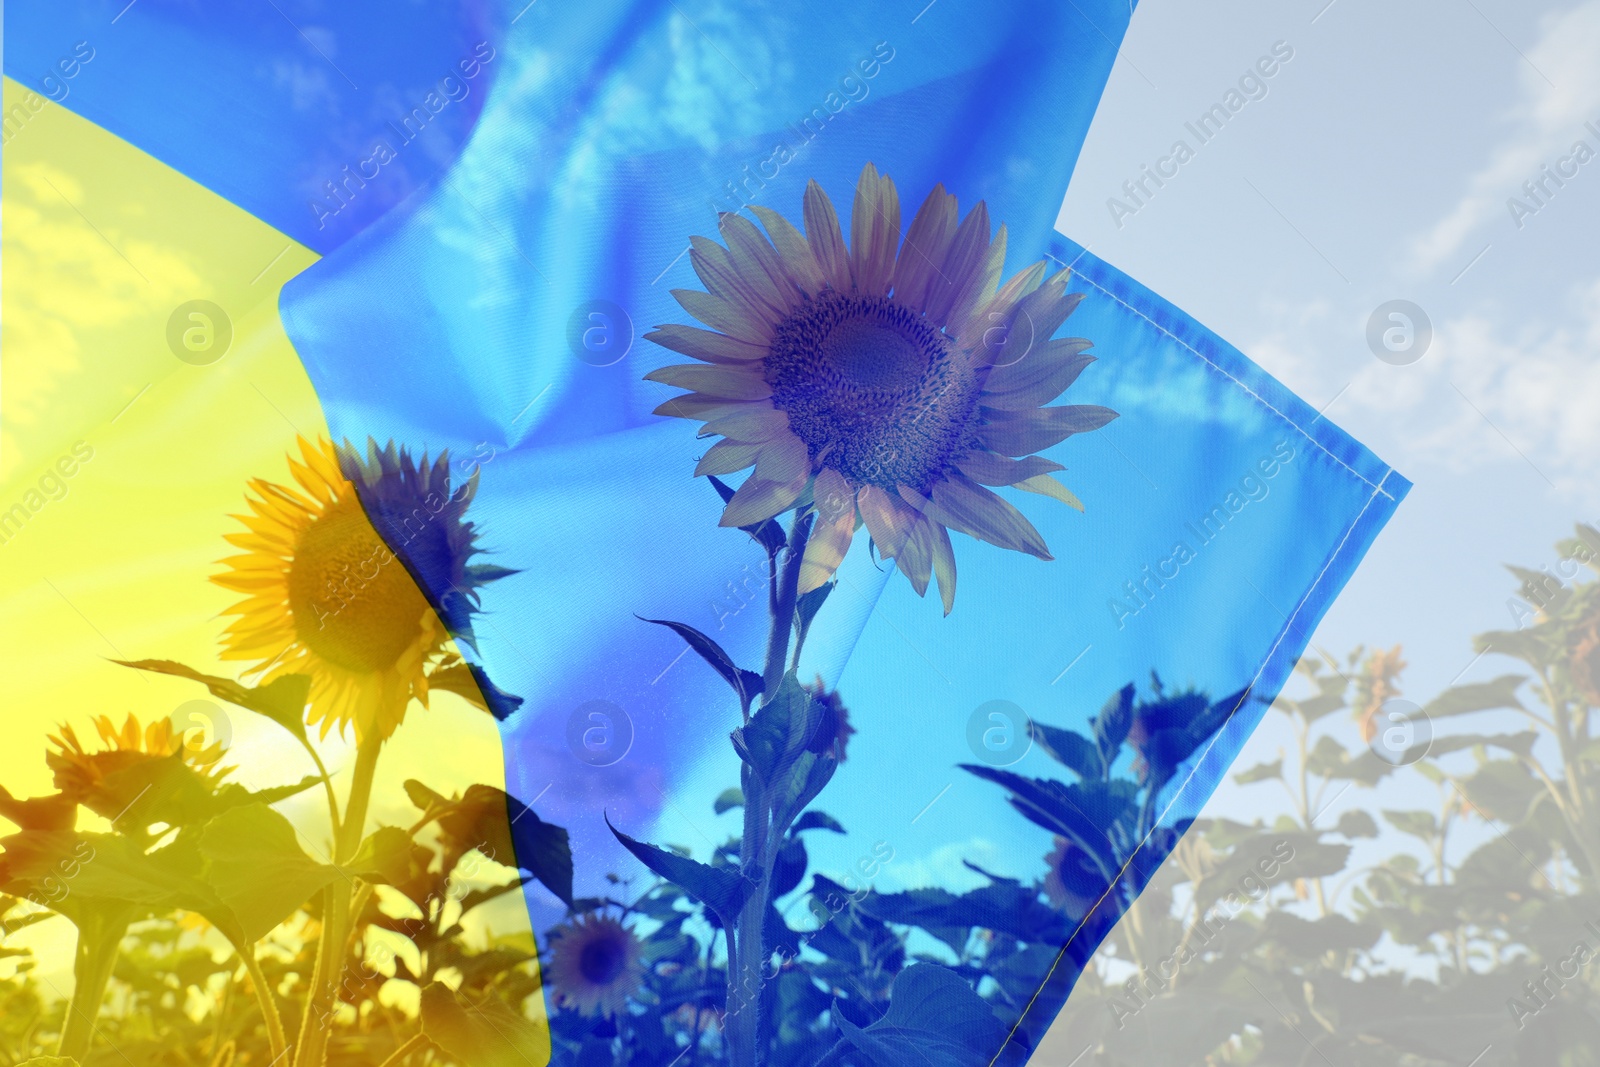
column 888, row 383
column 835, row 730
column 109, row 781
column 327, row 595
column 1074, row 882
column 595, row 965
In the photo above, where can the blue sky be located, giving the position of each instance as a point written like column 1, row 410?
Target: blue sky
column 1378, row 166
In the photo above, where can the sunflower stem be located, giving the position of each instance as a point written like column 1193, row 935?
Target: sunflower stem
column 746, row 950
column 99, row 938
column 311, row 1047
column 415, row 1043
column 787, row 581
column 263, row 992
column 327, row 785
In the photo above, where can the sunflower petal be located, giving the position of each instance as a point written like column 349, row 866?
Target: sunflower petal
column 705, row 345
column 757, row 261
column 1017, row 433
column 1048, row 306
column 729, row 318
column 987, row 468
column 726, row 457
column 923, row 252
column 757, row 500
column 968, row 250
column 916, row 557
column 751, row 424
column 1021, row 284
column 835, row 528
column 944, row 565
column 1045, row 485
column 967, row 315
column 1038, row 377
column 783, row 459
column 735, row 383
column 822, row 233
column 799, row 262
column 964, row 505
column 697, row 406
column 874, row 232
column 888, row 519
column 749, row 289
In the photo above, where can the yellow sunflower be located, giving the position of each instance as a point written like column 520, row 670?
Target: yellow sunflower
column 595, row 965
column 327, row 596
column 888, row 383
column 108, row 781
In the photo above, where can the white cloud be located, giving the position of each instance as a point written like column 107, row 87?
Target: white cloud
column 1535, row 379
column 1560, row 91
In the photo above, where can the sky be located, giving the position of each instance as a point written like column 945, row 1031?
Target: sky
column 1376, row 164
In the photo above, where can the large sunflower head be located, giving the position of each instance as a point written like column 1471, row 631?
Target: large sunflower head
column 888, row 383
column 595, row 965
column 327, row 595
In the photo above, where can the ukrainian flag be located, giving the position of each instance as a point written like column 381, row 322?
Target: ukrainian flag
column 342, row 348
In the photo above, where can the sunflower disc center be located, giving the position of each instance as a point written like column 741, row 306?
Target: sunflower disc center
column 602, row 961
column 873, row 388
column 353, row 602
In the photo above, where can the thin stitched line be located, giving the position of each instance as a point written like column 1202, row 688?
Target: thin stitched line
column 1247, row 390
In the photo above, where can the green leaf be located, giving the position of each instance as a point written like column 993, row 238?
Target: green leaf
column 282, row 700
column 786, row 725
column 729, row 799
column 1419, row 824
column 254, row 863
column 423, row 797
column 1520, row 743
column 934, row 1018
column 816, row 820
column 81, row 875
column 722, row 889
column 505, row 830
column 389, row 857
column 1504, row 790
column 767, row 533
column 233, row 796
column 1071, row 811
column 1357, row 823
column 1261, row 772
column 1479, row 696
column 1313, row 708
column 468, row 680
column 490, row 1034
column 1071, row 749
column 153, row 789
column 806, row 607
column 799, row 786
column 49, row 1061
column 746, row 684
column 1111, row 726
column 483, row 896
